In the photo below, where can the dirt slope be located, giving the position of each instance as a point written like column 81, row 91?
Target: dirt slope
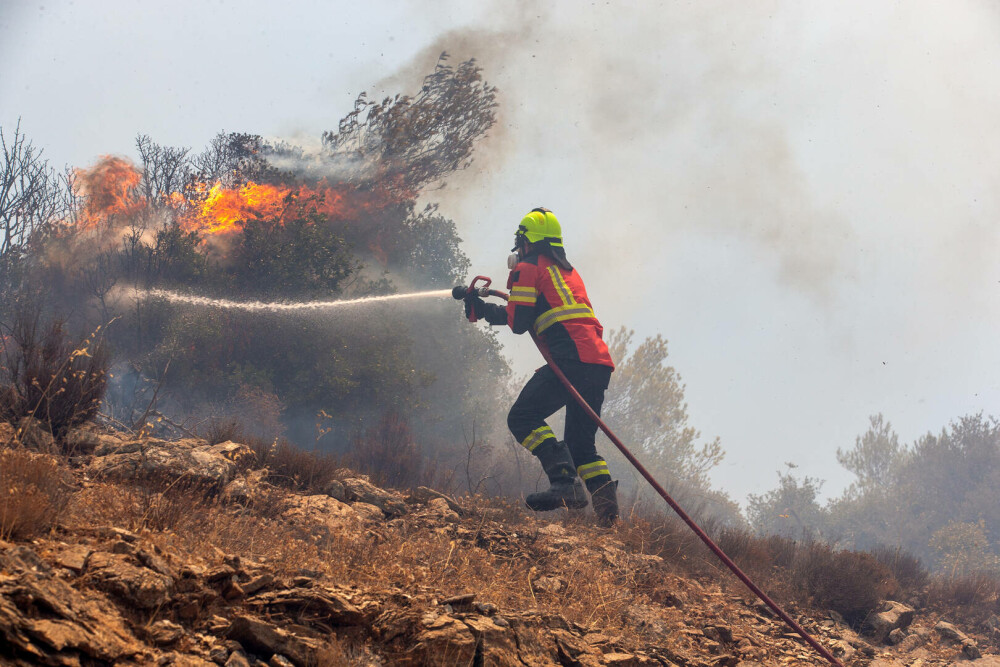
column 181, row 553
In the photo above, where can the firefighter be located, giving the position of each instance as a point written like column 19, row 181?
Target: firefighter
column 548, row 296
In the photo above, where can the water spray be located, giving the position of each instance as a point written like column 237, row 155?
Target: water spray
column 281, row 306
column 462, row 292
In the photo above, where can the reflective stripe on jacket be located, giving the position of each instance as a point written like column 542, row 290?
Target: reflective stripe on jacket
column 553, row 303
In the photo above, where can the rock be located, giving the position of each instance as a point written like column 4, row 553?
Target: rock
column 155, row 563
column 238, row 659
column 320, row 513
column 164, row 633
column 218, row 654
column 719, row 633
column 446, row 641
column 267, row 639
column 842, row 649
column 486, row 608
column 113, row 533
column 136, row 585
column 48, row 622
column 550, row 585
column 970, row 650
column 950, row 632
column 220, row 574
column 497, row 644
column 232, row 590
column 359, row 490
column 73, row 557
column 278, row 660
column 891, row 616
column 193, row 460
column 367, row 511
column 34, row 435
column 572, row 650
column 90, row 438
column 325, row 604
column 423, row 494
column 439, row 508
column 336, row 490
column 258, row 583
column 911, row 642
column 463, row 600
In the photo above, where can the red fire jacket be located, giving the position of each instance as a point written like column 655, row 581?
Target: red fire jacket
column 553, row 302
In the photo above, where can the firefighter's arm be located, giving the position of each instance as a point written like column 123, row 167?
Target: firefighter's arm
column 523, row 295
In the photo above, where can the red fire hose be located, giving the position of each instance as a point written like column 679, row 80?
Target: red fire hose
column 485, row 291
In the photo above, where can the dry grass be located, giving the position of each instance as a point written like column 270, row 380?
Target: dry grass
column 195, row 525
column 34, row 491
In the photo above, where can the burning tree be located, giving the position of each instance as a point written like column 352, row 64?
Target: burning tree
column 256, row 218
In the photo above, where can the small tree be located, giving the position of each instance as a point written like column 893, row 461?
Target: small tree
column 406, row 142
column 790, row 510
column 875, row 456
column 164, row 169
column 962, row 548
column 29, row 191
column 645, row 407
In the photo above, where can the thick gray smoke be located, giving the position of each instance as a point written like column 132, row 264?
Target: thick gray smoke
column 785, row 127
column 799, row 195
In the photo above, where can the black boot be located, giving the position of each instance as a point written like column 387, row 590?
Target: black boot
column 565, row 488
column 604, row 497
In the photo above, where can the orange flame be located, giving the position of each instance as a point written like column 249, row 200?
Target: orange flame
column 216, row 210
column 108, row 191
column 222, row 210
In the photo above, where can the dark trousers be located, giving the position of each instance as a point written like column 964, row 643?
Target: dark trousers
column 544, row 394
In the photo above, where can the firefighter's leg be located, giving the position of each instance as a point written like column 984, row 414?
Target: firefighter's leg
column 591, row 380
column 542, row 396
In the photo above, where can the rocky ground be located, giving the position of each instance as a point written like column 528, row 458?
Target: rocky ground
column 182, row 553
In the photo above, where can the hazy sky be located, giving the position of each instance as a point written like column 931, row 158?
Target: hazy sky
column 802, row 197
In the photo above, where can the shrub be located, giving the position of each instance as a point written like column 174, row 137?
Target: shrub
column 979, row 590
column 851, row 583
column 49, row 377
column 906, row 568
column 222, row 429
column 294, row 468
column 34, row 490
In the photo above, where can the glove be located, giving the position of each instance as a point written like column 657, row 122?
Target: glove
column 491, row 312
column 475, row 308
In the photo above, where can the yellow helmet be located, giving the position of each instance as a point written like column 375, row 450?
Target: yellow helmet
column 541, row 225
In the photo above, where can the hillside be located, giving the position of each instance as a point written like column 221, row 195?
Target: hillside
column 139, row 551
